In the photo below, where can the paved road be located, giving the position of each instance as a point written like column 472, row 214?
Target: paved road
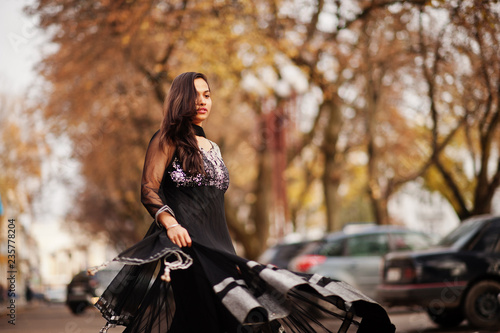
column 419, row 322
column 56, row 318
column 53, row 318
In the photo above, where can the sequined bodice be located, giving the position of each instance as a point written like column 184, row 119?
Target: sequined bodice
column 216, row 173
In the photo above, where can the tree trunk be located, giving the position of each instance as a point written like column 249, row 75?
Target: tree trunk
column 254, row 241
column 331, row 174
column 263, row 196
column 379, row 208
column 379, row 195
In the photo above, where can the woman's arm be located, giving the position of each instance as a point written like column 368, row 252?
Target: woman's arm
column 155, row 163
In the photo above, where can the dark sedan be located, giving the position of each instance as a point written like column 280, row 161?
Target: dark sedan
column 458, row 279
column 84, row 290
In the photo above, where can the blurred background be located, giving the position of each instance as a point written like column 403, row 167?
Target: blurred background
column 327, row 112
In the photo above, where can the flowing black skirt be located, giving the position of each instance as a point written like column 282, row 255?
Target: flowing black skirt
column 221, row 292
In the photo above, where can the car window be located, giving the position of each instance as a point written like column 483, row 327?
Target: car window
column 461, row 234
column 280, row 255
column 289, row 250
column 488, row 239
column 367, row 245
column 313, row 247
column 332, row 248
column 410, row 241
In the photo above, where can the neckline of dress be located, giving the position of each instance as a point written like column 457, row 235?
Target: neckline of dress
column 198, row 130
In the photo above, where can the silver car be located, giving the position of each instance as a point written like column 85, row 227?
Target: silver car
column 355, row 256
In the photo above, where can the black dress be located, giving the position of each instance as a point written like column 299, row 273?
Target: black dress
column 214, row 290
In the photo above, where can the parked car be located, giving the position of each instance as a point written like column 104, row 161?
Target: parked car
column 280, row 255
column 53, row 294
column 355, row 255
column 84, row 290
column 458, row 279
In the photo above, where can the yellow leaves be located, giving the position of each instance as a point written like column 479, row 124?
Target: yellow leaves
column 21, row 150
column 434, row 181
column 144, row 25
column 302, row 178
column 158, row 68
column 125, row 40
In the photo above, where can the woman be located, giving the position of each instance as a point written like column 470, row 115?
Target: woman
column 188, row 248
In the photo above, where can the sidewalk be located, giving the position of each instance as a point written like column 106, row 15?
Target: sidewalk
column 19, row 306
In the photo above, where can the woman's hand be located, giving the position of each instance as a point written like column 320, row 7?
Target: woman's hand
column 179, row 236
column 177, row 233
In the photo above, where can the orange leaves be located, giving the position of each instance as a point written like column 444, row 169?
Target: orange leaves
column 22, row 150
column 125, row 40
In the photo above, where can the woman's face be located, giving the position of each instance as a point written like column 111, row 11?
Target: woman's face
column 203, row 101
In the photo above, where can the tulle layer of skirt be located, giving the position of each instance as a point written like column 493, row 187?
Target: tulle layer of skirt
column 221, row 292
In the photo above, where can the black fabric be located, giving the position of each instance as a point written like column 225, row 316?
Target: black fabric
column 198, row 130
column 219, row 292
column 192, row 290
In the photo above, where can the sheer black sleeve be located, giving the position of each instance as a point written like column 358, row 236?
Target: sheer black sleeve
column 155, row 163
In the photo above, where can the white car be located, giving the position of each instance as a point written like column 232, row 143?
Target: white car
column 356, row 256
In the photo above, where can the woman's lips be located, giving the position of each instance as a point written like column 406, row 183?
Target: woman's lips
column 202, row 110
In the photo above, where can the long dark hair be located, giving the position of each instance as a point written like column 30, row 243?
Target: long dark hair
column 177, row 126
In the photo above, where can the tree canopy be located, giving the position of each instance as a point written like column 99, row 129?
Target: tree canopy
column 319, row 106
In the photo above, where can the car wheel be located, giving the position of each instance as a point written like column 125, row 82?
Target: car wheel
column 482, row 307
column 447, row 317
column 77, row 308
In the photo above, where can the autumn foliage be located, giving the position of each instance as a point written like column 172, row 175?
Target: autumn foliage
column 318, row 106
